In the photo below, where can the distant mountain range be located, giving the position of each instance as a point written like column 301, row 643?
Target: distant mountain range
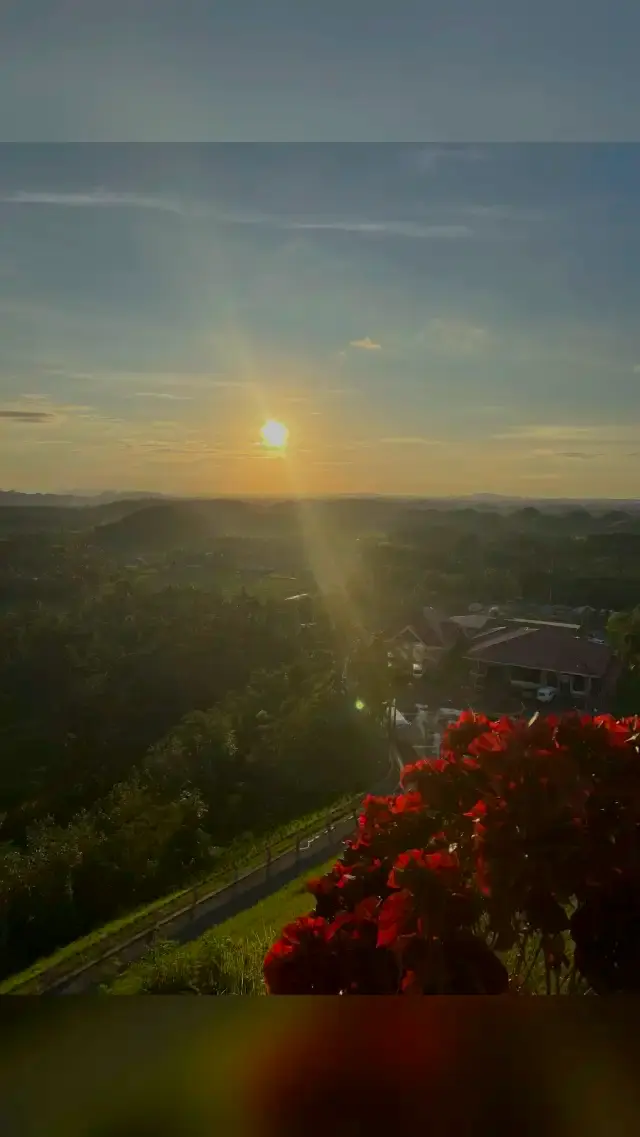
column 15, row 497
column 488, row 500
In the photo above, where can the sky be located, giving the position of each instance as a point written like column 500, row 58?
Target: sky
column 431, row 319
column 340, row 70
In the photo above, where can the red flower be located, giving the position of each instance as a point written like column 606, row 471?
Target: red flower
column 412, row 772
column 488, row 742
column 394, row 917
column 477, row 811
column 407, row 803
column 502, row 828
column 442, row 862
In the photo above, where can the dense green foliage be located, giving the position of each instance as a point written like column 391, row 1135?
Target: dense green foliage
column 458, row 557
column 159, row 696
column 143, row 727
column 219, row 774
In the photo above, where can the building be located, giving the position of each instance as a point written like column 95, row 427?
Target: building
column 424, row 639
column 526, row 656
column 473, row 623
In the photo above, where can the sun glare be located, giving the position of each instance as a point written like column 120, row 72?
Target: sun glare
column 274, row 434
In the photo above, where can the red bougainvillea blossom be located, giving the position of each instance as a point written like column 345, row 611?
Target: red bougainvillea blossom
column 517, row 832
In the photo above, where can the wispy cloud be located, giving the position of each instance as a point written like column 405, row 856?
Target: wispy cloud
column 27, row 416
column 94, row 199
column 549, row 432
column 409, row 440
column 451, row 336
column 412, row 229
column 545, row 476
column 366, row 344
column 160, row 395
column 430, row 157
column 578, row 455
column 382, row 227
column 570, row 441
column 101, row 198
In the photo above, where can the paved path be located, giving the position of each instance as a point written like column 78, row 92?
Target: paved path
column 209, row 912
column 215, row 909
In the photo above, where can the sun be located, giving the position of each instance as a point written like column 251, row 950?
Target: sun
column 274, row 434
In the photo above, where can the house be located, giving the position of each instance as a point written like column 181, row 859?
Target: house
column 424, row 639
column 530, row 655
column 474, row 622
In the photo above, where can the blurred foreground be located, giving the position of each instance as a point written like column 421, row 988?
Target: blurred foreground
column 275, row 1068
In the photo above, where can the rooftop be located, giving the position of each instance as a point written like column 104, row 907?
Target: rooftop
column 543, row 648
column 431, row 627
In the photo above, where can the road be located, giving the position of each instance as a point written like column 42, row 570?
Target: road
column 188, row 925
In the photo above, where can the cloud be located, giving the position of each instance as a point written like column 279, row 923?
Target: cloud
column 367, row 344
column 93, row 199
column 101, row 198
column 160, row 395
column 579, row 455
column 455, row 337
column 430, row 157
column 547, row 476
column 410, row 440
column 383, row 227
column 411, row 229
column 27, row 416
column 549, row 432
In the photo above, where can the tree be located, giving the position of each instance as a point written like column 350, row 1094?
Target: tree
column 369, row 675
column 623, row 630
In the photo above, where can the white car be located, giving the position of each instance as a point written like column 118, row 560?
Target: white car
column 546, row 694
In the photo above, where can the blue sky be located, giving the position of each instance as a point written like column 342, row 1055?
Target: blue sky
column 368, row 70
column 429, row 319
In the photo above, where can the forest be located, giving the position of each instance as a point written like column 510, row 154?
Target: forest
column 171, row 674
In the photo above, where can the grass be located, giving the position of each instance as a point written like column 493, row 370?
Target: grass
column 228, row 959
column 243, row 854
column 225, row 961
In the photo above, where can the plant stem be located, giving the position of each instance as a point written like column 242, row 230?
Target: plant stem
column 532, row 964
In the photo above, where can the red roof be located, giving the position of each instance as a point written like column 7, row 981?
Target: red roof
column 544, row 649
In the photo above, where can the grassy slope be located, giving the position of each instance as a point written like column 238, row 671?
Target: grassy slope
column 228, row 959
column 244, row 855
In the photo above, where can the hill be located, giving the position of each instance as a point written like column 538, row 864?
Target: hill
column 17, row 519
column 156, row 527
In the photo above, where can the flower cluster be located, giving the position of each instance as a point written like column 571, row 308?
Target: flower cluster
column 518, row 834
